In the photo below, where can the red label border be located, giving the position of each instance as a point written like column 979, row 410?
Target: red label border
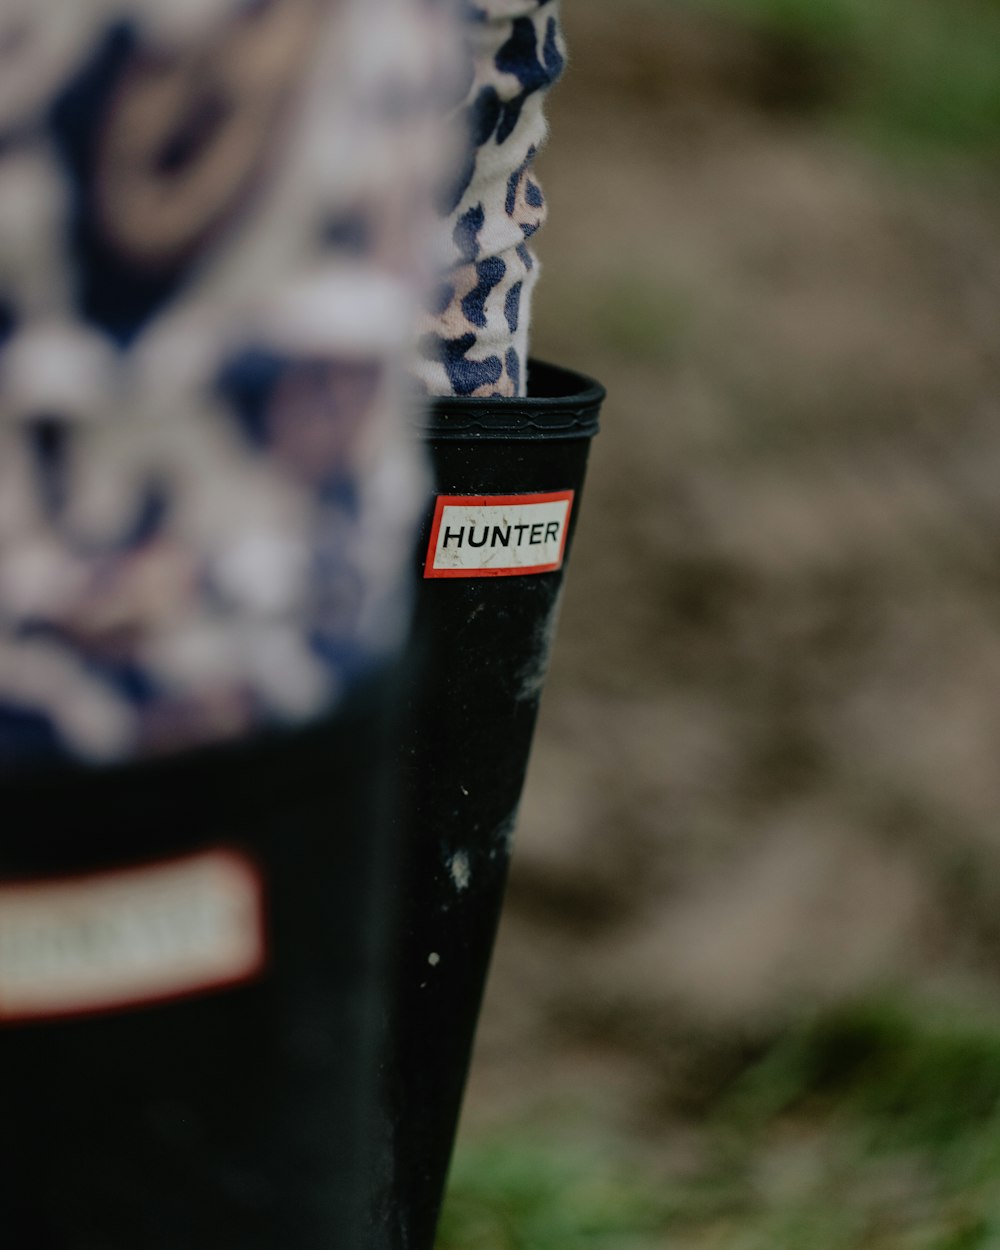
column 491, row 501
column 238, row 859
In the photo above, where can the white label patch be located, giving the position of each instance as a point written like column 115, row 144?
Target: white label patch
column 498, row 535
column 135, row 935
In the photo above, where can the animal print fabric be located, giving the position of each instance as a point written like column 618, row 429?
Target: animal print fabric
column 475, row 332
column 214, row 226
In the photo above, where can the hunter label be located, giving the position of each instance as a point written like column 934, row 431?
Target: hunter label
column 133, row 936
column 498, row 535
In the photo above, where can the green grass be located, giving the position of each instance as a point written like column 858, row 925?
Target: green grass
column 910, row 73
column 872, row 1128
column 514, row 1192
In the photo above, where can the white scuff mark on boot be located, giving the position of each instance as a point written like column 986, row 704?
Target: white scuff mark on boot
column 532, row 677
column 503, row 836
column 433, row 959
column 464, row 791
column 461, row 872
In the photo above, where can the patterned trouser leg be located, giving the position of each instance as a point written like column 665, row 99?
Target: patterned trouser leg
column 475, row 339
column 214, row 224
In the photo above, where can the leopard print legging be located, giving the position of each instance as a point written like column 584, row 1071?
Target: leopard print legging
column 224, row 225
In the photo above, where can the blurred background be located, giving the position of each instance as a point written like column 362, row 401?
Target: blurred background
column 747, row 990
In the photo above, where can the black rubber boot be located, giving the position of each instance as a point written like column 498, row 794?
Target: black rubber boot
column 508, row 476
column 191, row 992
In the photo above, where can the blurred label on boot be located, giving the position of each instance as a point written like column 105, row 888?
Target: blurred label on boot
column 133, row 936
column 498, row 535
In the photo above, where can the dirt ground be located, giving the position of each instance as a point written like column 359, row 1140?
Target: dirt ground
column 766, row 774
